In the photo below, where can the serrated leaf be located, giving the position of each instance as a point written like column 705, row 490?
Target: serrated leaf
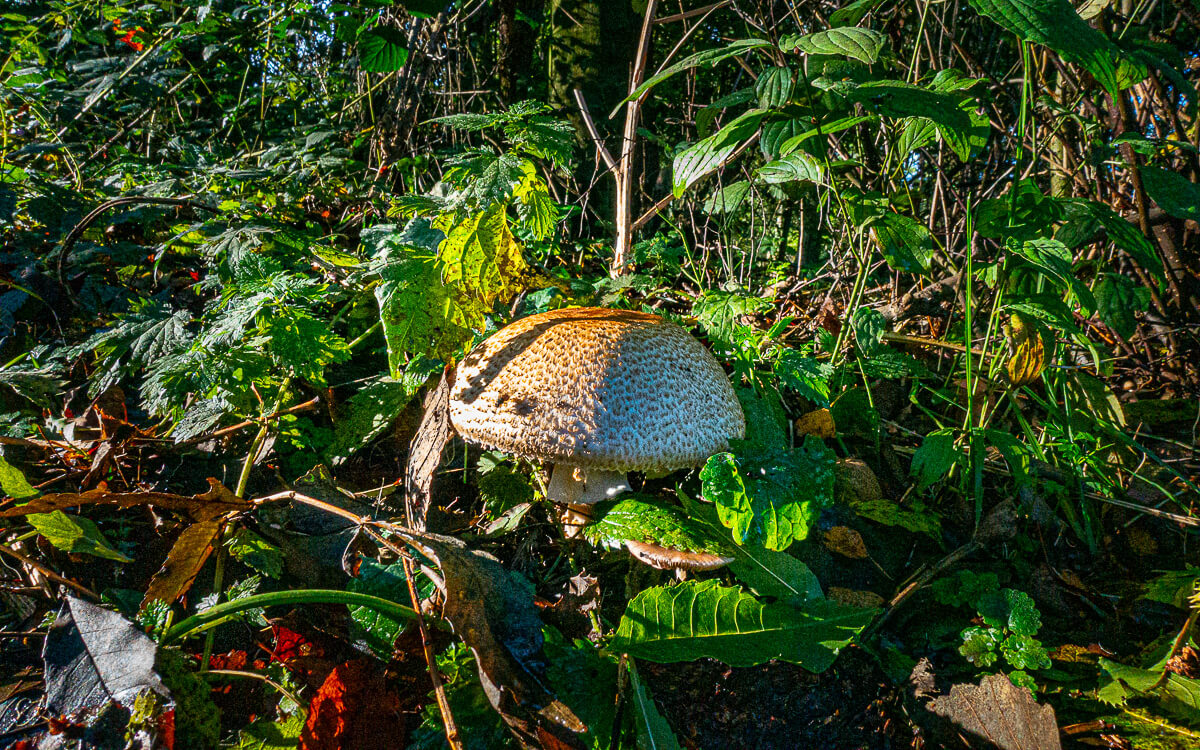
column 933, row 459
column 719, row 312
column 251, row 549
column 1180, row 696
column 1011, row 610
column 702, row 157
column 770, row 498
column 857, row 43
column 1174, row 193
column 382, row 49
column 375, row 408
column 1123, row 234
column 481, row 258
column 698, row 619
column 644, row 519
column 1055, row 24
column 806, row 375
column 795, row 167
column 74, row 534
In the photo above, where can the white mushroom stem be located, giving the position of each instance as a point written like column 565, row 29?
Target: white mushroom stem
column 578, row 488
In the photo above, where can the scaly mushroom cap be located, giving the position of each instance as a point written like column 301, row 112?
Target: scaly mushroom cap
column 598, row 388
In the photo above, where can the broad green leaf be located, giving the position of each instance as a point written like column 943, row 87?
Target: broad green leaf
column 796, row 166
column 1055, row 260
column 481, row 258
column 645, row 519
column 1174, row 193
column 719, row 312
column 826, row 128
column 869, row 326
column 906, row 243
column 382, row 49
column 952, row 113
column 1010, row 610
column 1174, row 587
column 1179, row 696
column 770, row 498
column 375, row 407
column 698, row 619
column 933, row 459
column 13, row 482
column 702, row 157
column 303, row 343
column 251, row 549
column 853, row 12
column 1117, row 299
column 388, row 582
column 1055, row 24
column 729, row 199
column 806, row 375
column 1122, row 233
column 74, row 534
column 774, row 86
column 708, row 57
column 860, row 44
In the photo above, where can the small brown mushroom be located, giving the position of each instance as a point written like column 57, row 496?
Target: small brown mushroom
column 597, row 393
column 666, row 558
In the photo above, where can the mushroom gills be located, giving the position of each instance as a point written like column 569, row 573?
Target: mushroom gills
column 578, row 488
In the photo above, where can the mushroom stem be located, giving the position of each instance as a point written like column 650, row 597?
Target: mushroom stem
column 577, row 488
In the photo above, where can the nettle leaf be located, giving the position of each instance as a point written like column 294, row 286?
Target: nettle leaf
column 644, row 519
column 148, row 331
column 795, row 167
column 303, row 343
column 774, row 86
column 481, row 258
column 251, row 549
column 698, row 619
column 771, row 498
column 718, row 312
column 857, row 43
column 382, row 49
column 702, row 157
column 807, row 376
column 933, row 459
column 1055, row 24
column 1174, row 193
column 906, row 243
column 74, row 534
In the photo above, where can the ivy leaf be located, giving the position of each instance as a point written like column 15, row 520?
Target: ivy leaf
column 770, row 498
column 857, row 43
column 74, row 534
column 1055, row 24
column 382, row 49
column 698, row 619
column 1174, row 193
column 702, row 157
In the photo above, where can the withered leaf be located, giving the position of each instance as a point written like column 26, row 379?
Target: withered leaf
column 184, row 562
column 846, row 542
column 216, row 502
column 425, row 450
column 494, row 613
column 1001, row 713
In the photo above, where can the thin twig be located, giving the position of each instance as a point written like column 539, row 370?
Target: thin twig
column 49, row 573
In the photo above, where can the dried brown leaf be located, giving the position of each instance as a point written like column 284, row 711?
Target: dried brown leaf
column 1001, row 713
column 216, row 502
column 184, row 562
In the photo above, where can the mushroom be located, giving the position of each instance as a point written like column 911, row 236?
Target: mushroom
column 596, row 393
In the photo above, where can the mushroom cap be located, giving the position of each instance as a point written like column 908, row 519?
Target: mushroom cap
column 598, row 388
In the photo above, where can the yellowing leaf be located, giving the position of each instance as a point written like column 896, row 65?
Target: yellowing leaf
column 1028, row 352
column 481, row 258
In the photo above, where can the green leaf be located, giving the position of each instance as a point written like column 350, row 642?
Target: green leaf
column 74, row 534
column 272, row 735
column 654, row 733
column 1055, row 260
column 795, row 167
column 771, row 498
column 869, row 326
column 251, row 549
column 823, row 129
column 382, row 49
column 1179, row 696
column 303, row 344
column 1122, row 233
column 1173, row 587
column 644, row 519
column 1117, row 299
column 906, row 243
column 1024, row 652
column 13, row 482
column 718, row 312
column 698, row 619
column 952, row 113
column 1055, row 24
column 1011, row 610
column 857, row 43
column 481, row 258
column 729, row 199
column 980, row 646
column 807, row 376
column 890, row 514
column 708, row 57
column 387, row 582
column 702, row 157
column 1174, row 193
column 774, row 86
column 375, row 408
column 933, row 459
